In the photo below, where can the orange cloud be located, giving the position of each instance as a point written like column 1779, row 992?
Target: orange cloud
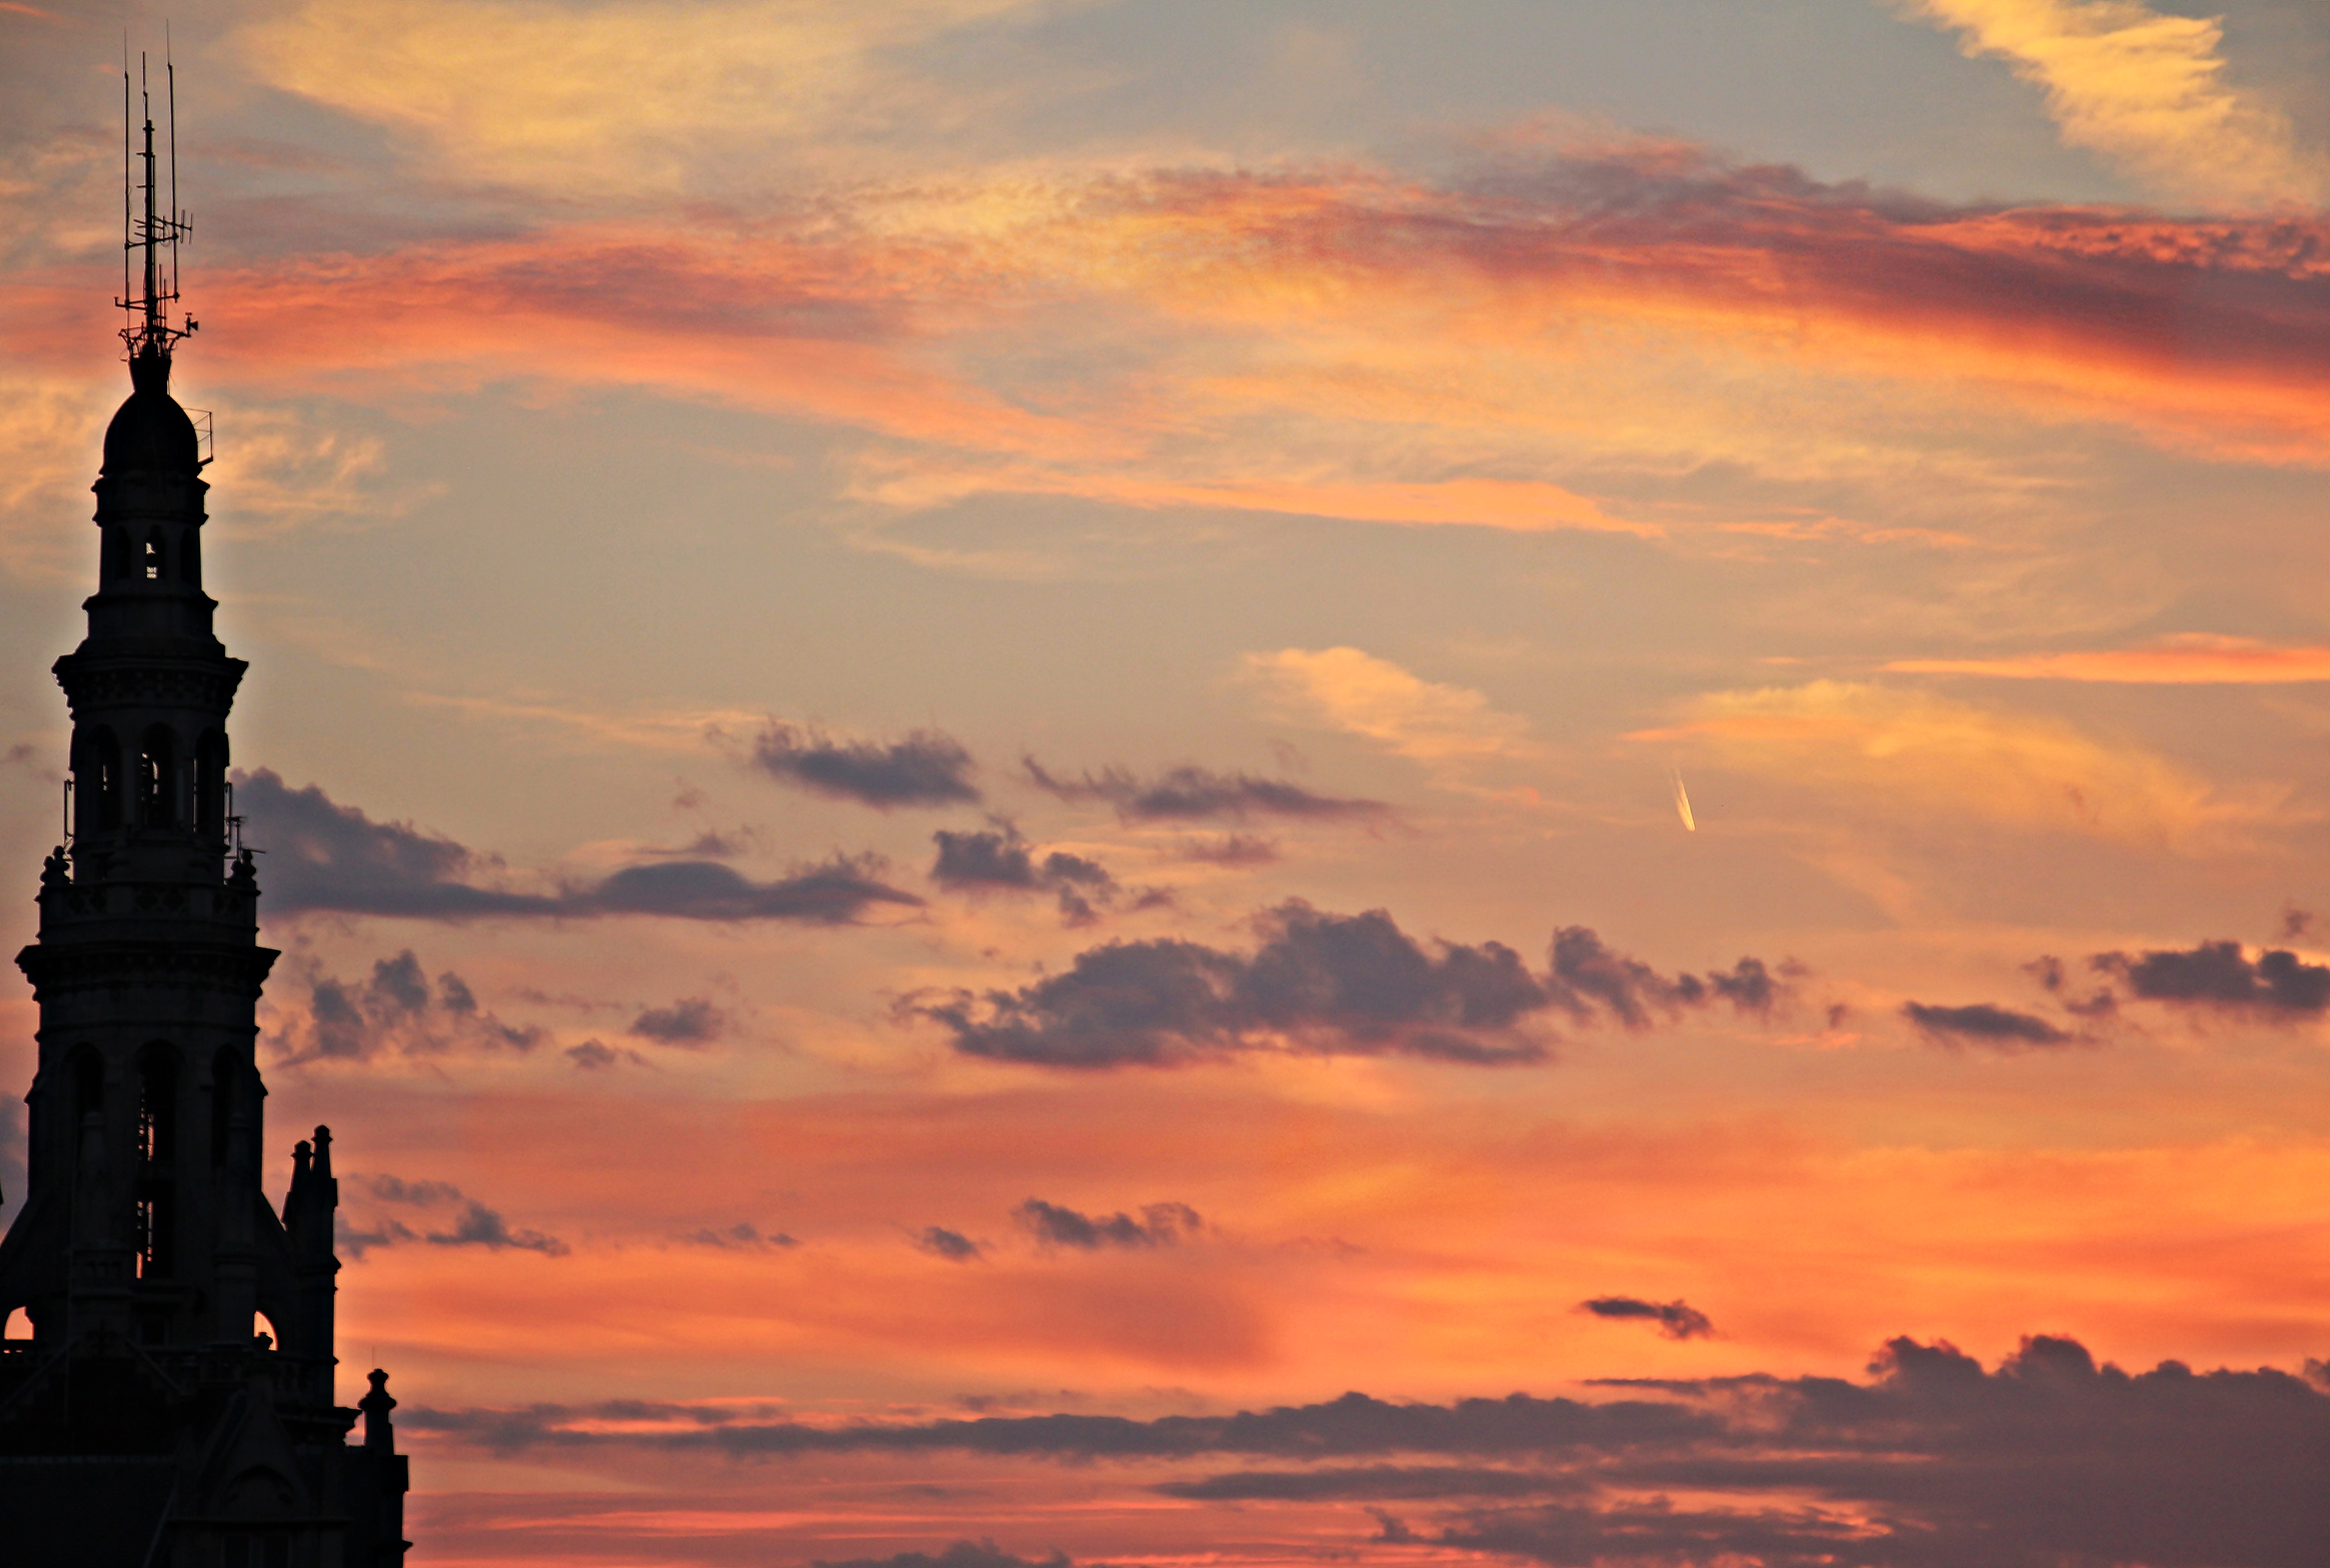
column 1889, row 753
column 531, row 93
column 2195, row 659
column 1341, row 343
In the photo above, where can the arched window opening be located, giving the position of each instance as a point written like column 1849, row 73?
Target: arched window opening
column 158, row 1106
column 157, row 1213
column 263, row 1326
column 225, row 1082
column 113, row 554
column 210, row 784
column 152, row 559
column 107, row 765
column 156, row 783
column 190, row 560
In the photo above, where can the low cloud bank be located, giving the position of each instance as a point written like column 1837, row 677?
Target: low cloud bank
column 1932, row 1462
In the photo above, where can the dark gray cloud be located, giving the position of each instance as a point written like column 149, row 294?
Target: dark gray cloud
column 593, row 1055
column 1374, row 1483
column 1585, row 974
column 1192, row 794
column 712, row 844
column 1675, row 1320
column 1325, row 983
column 980, row 1554
column 1354, row 1425
column 924, row 769
column 833, row 892
column 321, row 856
column 741, row 1237
column 472, row 1224
column 395, row 1010
column 690, row 1021
column 2048, row 1461
column 479, row 1227
column 1160, row 1225
column 998, row 860
column 2219, row 974
column 1229, row 849
column 1982, row 1024
column 952, row 1245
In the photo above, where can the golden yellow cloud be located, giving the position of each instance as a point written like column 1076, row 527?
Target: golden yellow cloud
column 1910, row 754
column 2193, row 660
column 2148, row 90
column 632, row 94
column 1361, row 695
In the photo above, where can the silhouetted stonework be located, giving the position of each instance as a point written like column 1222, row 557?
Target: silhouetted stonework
column 150, row 1421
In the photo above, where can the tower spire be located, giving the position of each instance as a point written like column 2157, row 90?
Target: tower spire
column 182, row 1329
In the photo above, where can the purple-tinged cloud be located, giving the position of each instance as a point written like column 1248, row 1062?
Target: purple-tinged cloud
column 473, row 1225
column 2049, row 1462
column 2276, row 983
column 926, row 768
column 1160, row 1225
column 1322, row 984
column 1189, row 794
column 690, row 1021
column 394, row 1010
column 321, row 856
column 952, row 1245
column 1674, row 1319
column 1985, row 1024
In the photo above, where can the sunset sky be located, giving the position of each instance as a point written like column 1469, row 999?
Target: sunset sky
column 986, row 729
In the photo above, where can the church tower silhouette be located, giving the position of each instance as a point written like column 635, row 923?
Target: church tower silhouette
column 172, row 1407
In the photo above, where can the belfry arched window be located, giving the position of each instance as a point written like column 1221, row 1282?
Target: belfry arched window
column 158, row 1105
column 105, row 759
column 156, row 780
column 152, row 560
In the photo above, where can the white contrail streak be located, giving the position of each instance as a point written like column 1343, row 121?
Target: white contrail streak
column 1682, row 805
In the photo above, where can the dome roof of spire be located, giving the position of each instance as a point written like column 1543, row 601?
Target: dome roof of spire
column 150, row 432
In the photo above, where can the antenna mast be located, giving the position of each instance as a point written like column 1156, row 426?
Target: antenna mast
column 150, row 333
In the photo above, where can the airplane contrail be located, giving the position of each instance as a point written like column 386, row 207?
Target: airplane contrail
column 1683, row 805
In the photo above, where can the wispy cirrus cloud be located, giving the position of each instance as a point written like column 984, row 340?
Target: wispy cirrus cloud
column 528, row 92
column 2148, row 89
column 2195, row 658
column 1332, row 307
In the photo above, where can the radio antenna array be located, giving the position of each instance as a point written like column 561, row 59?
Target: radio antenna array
column 150, row 243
